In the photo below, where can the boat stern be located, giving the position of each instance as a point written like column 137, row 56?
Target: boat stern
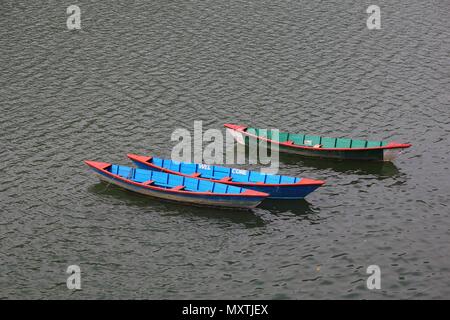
column 236, row 132
column 393, row 150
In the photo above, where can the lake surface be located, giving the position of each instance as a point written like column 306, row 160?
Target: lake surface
column 139, row 69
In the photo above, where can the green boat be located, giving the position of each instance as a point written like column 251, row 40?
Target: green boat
column 318, row 146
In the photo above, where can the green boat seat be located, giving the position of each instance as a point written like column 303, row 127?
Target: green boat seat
column 296, row 138
column 311, row 141
column 283, row 137
column 359, row 143
column 328, row 142
column 253, row 131
column 263, row 133
column 373, row 144
column 343, row 143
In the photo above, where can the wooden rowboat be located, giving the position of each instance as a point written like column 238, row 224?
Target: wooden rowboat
column 175, row 187
column 277, row 186
column 317, row 146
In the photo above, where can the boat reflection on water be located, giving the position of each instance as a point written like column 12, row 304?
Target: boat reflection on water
column 297, row 207
column 378, row 168
column 172, row 208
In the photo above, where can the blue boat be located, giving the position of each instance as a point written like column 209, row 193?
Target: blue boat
column 175, row 187
column 277, row 186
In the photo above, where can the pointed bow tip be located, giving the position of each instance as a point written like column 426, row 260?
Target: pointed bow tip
column 234, row 126
column 139, row 158
column 394, row 144
column 96, row 164
column 306, row 181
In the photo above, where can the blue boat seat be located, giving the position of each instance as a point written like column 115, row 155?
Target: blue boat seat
column 233, row 189
column 158, row 162
column 205, row 186
column 167, row 164
column 220, row 188
column 273, row 179
column 240, row 178
column 256, row 177
column 191, row 184
column 160, row 177
column 175, row 180
column 205, row 171
column 287, row 179
column 188, row 168
column 141, row 175
column 174, row 166
column 221, row 172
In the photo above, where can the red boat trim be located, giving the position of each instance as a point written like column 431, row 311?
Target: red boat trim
column 391, row 145
column 310, row 182
column 102, row 165
column 97, row 165
column 235, row 127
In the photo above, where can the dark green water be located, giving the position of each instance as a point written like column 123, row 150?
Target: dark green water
column 138, row 69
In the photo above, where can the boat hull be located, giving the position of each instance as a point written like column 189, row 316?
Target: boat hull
column 285, row 192
column 204, row 200
column 378, row 154
column 372, row 155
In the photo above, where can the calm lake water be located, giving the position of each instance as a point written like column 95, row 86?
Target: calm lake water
column 139, row 69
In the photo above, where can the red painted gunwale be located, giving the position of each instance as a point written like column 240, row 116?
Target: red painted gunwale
column 303, row 181
column 101, row 166
column 391, row 145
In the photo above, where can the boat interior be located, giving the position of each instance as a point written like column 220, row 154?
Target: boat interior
column 315, row 141
column 222, row 173
column 171, row 181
